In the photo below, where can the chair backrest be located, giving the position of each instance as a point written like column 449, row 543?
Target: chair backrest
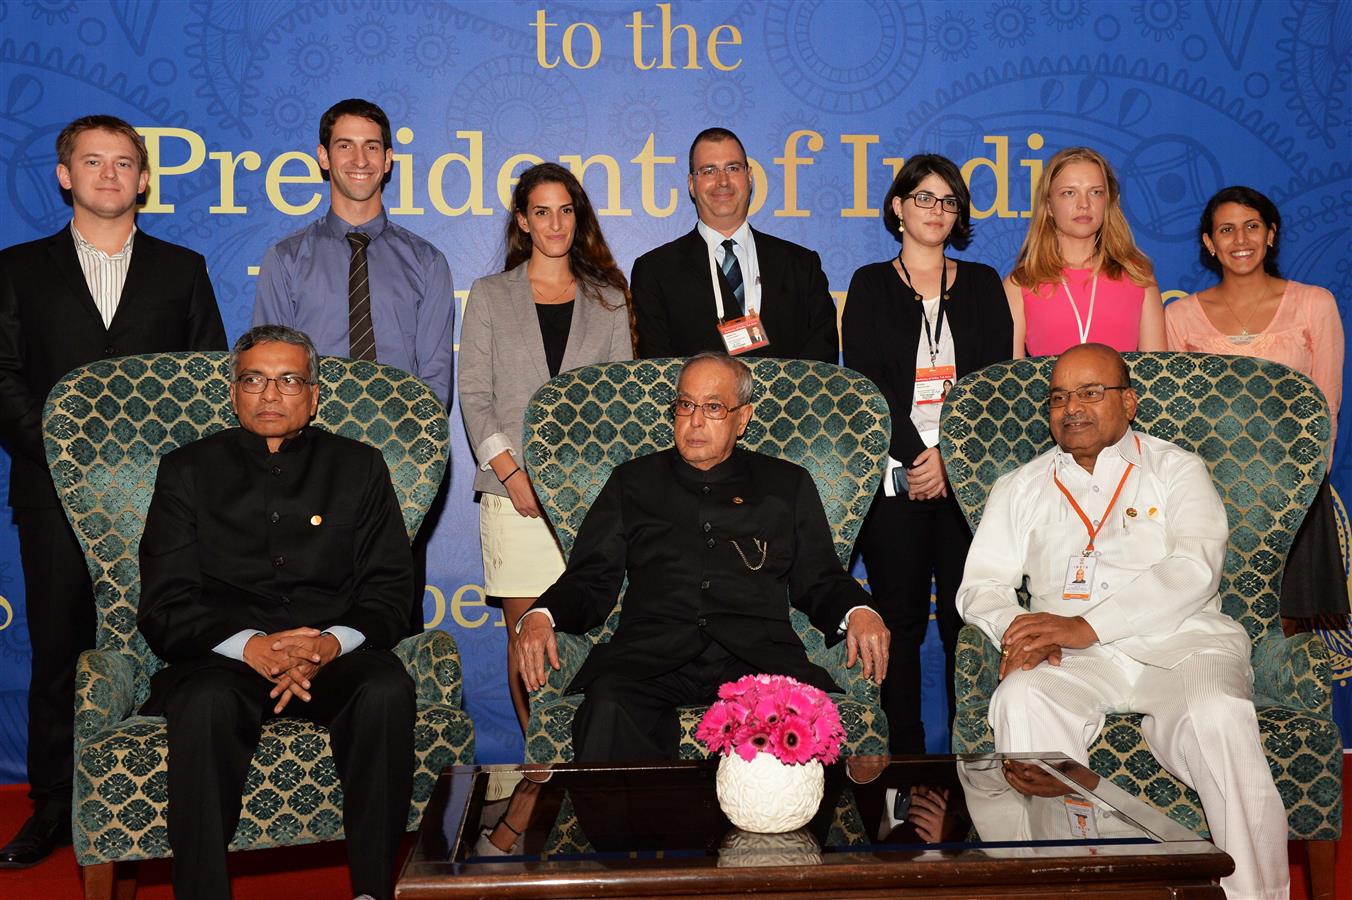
column 106, row 425
column 1261, row 428
column 830, row 420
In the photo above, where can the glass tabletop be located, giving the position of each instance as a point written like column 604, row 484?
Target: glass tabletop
column 918, row 808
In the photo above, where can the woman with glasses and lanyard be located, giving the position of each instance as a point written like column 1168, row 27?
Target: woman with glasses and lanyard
column 560, row 302
column 1079, row 277
column 1253, row 311
column 914, row 324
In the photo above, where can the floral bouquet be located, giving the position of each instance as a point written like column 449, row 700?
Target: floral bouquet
column 794, row 722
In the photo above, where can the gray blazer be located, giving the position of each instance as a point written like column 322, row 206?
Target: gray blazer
column 502, row 359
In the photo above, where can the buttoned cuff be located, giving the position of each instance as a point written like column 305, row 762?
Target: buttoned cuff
column 845, row 622
column 491, row 446
column 349, row 639
column 233, row 646
column 539, row 609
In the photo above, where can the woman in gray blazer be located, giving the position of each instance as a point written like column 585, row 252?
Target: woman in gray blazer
column 560, row 303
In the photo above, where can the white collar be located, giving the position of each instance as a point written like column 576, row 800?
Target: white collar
column 715, row 238
column 1127, row 448
column 80, row 241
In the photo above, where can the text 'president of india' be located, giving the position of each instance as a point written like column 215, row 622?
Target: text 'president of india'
column 1121, row 537
column 717, row 542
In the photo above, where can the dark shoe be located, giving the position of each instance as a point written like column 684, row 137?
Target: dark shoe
column 35, row 841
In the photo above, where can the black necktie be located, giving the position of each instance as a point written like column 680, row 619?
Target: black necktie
column 361, row 337
column 732, row 271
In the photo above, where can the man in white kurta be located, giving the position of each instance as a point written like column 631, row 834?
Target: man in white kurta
column 1122, row 539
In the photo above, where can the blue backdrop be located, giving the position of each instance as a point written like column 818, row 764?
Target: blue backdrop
column 1183, row 96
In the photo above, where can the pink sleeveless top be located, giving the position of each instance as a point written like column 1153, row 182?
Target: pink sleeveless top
column 1051, row 326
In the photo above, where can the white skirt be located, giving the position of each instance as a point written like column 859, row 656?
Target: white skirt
column 521, row 556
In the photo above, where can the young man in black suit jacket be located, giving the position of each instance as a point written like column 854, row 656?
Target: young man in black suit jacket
column 96, row 289
column 676, row 309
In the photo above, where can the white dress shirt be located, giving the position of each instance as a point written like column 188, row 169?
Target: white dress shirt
column 745, row 249
column 1154, row 593
column 104, row 273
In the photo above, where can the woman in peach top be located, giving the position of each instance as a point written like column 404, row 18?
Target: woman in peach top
column 1080, row 277
column 1254, row 312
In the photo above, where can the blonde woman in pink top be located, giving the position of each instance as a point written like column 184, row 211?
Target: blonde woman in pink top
column 1255, row 312
column 1080, row 277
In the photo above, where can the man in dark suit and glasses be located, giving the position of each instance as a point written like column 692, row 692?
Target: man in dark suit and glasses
column 96, row 289
column 756, row 274
column 716, row 542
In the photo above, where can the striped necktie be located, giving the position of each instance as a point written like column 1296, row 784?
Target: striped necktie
column 732, row 271
column 361, row 337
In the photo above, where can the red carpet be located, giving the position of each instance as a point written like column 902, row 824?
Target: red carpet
column 319, row 872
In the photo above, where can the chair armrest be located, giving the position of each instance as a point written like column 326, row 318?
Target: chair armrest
column 433, row 661
column 976, row 665
column 852, row 681
column 105, row 691
column 1294, row 672
column 573, row 650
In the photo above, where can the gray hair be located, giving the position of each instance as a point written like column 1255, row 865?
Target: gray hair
column 263, row 334
column 746, row 385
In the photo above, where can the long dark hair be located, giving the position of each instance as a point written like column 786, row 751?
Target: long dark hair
column 590, row 258
column 1244, row 196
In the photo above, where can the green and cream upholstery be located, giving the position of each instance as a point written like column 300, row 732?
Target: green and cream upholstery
column 106, row 425
column 580, row 425
column 1263, row 431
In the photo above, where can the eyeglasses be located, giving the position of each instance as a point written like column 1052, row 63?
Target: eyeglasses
column 927, row 201
column 732, row 170
column 1089, row 393
column 289, row 385
column 712, row 410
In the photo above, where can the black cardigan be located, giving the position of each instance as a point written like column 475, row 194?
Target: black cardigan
column 881, row 333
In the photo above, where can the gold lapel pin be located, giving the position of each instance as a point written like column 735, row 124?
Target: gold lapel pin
column 1131, row 512
column 1151, row 512
column 738, row 500
column 316, row 520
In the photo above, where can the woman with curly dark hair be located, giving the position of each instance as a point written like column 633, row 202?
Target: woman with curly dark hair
column 560, row 302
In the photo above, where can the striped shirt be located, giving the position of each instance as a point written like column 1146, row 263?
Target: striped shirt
column 105, row 275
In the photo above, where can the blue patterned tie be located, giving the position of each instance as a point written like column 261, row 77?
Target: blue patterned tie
column 732, row 271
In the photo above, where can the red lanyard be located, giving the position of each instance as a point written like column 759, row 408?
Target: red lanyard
column 1088, row 525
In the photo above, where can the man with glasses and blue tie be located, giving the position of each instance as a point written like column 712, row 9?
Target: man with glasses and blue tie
column 714, row 539
column 1119, row 538
column 275, row 574
column 725, row 285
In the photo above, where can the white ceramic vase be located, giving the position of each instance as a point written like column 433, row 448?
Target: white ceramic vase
column 765, row 795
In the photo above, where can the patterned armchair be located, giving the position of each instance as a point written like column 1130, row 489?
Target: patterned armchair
column 1263, row 431
column 106, row 425
column 582, row 424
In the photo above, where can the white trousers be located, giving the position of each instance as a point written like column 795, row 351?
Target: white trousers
column 1199, row 723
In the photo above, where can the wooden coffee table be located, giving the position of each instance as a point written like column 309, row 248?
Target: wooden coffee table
column 959, row 830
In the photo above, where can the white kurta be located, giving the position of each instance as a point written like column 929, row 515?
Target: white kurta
column 1165, row 648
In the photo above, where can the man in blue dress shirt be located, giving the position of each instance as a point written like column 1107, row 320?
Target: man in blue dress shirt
column 358, row 284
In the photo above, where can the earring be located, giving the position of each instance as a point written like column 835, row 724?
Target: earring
column 901, row 228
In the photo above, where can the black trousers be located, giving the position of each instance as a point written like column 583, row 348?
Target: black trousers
column 622, row 719
column 59, row 605
column 216, row 708
column 904, row 544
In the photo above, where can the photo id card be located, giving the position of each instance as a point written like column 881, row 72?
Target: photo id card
column 931, row 385
column 746, row 333
column 1079, row 577
column 1080, row 813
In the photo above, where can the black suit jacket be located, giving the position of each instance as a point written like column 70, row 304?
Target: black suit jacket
column 881, row 332
column 670, row 528
column 237, row 537
column 49, row 325
column 674, row 301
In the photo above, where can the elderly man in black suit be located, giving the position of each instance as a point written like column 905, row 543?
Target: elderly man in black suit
column 725, row 285
column 716, row 542
column 98, row 288
column 275, row 568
